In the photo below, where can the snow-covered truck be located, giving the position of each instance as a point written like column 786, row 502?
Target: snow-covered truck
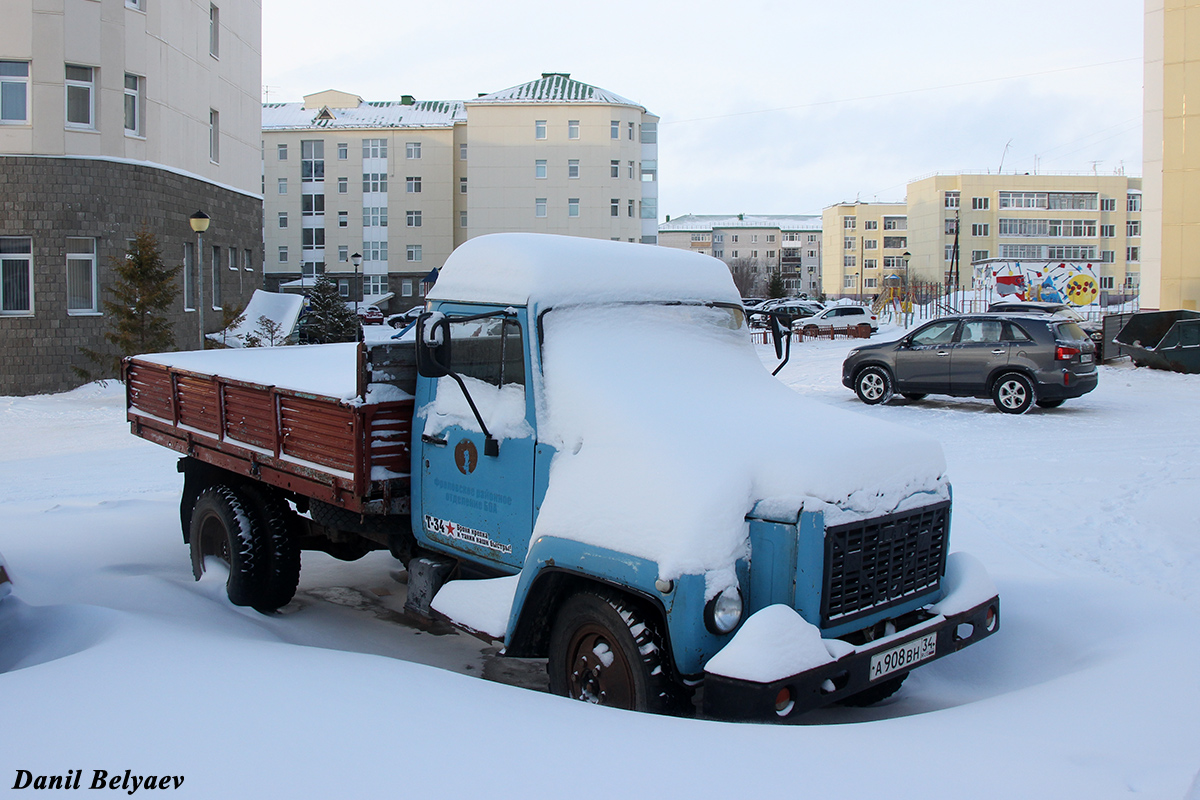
column 578, row 452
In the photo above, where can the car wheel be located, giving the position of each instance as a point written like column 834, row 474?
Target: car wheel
column 810, row 330
column 1013, row 393
column 604, row 650
column 873, row 385
column 1049, row 403
column 914, row 396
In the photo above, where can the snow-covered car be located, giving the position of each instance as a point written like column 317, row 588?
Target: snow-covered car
column 370, row 315
column 5, row 581
column 838, row 317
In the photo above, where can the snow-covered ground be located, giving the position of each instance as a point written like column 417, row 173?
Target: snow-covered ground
column 112, row 658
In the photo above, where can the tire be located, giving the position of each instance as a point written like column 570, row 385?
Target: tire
column 1049, row 403
column 605, row 650
column 222, row 525
column 873, row 385
column 914, row 396
column 811, row 330
column 1013, row 393
column 874, row 694
column 280, row 548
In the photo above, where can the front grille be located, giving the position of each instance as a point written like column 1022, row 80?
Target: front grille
column 875, row 563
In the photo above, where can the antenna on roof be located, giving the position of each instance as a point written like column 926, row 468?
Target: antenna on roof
column 1002, row 155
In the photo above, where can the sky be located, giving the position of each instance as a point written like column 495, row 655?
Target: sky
column 779, row 108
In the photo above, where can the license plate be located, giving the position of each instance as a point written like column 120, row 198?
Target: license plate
column 1085, row 358
column 903, row 656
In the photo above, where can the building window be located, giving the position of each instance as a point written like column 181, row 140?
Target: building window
column 848, row 281
column 539, row 207
column 951, row 227
column 868, row 263
column 718, row 253
column 462, row 219
column 413, row 252
column 312, row 205
column 1108, row 256
column 80, row 84
column 649, row 171
column 849, row 223
column 343, row 185
column 614, row 129
column 630, row 207
column 849, row 242
column 14, row 92
column 539, row 129
column 375, row 251
column 870, row 244
column 136, row 5
column 376, row 284
column 614, row 210
column 374, row 182
column 462, row 185
column 1133, row 202
column 849, row 260
column 573, row 168
column 343, row 253
column 462, row 151
column 343, row 288
column 770, row 254
column 632, row 165
column 949, row 252
column 733, row 237
column 246, row 265
column 539, row 168
column 377, row 216
column 733, row 254
column 614, row 169
column 189, row 276
column 649, row 133
column 406, row 287
column 895, row 223
column 1133, row 254
column 573, row 207
column 343, row 219
column 311, row 238
column 133, row 104
column 980, row 228
column 374, row 148
column 283, row 254
column 650, row 208
column 1108, row 231
column 978, row 255
column 214, row 136
column 1106, row 282
column 870, row 283
column 283, row 219
column 1133, row 227
column 412, row 150
column 411, row 218
column 216, row 278
column 951, row 200
column 82, row 295
column 630, row 131
column 412, row 185
column 343, row 151
column 981, row 203
column 572, row 129
column 282, row 151
column 1108, row 204
column 233, row 265
column 312, row 160
column 214, row 31
column 1023, row 200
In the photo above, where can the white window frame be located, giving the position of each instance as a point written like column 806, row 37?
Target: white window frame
column 412, row 219
column 572, row 129
column 539, row 207
column 412, row 150
column 214, row 136
column 134, row 96
column 573, row 168
column 539, row 169
column 539, row 129
column 79, row 257
column 343, row 253
column 412, row 253
column 11, row 83
column 283, row 220
column 412, row 184
column 1107, row 282
column 343, row 152
column 343, row 185
column 75, row 85
column 281, row 152
column 214, row 31
column 572, row 207
column 283, row 254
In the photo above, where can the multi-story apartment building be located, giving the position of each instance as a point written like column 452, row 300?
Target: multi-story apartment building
column 866, row 248
column 405, row 182
column 1170, row 268
column 754, row 246
column 116, row 114
column 1094, row 218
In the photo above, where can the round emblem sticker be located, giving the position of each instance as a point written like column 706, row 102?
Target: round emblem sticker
column 466, row 456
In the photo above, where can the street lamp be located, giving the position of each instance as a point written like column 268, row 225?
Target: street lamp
column 906, row 256
column 199, row 222
column 356, row 259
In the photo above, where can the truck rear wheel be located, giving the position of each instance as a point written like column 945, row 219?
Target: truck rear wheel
column 222, row 525
column 604, row 650
column 280, row 548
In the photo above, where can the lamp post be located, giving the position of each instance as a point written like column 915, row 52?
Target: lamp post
column 356, row 259
column 199, row 222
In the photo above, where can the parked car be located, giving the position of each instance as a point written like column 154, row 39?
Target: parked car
column 5, row 581
column 1093, row 328
column 1015, row 359
column 407, row 318
column 839, row 317
column 370, row 315
column 788, row 312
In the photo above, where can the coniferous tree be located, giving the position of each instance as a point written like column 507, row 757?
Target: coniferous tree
column 775, row 287
column 327, row 318
column 143, row 290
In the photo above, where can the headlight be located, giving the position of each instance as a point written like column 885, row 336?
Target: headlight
column 852, row 353
column 723, row 613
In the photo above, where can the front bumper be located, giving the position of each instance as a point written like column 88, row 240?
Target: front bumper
column 736, row 699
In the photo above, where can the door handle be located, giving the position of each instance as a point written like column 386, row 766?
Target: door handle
column 943, row 353
column 999, row 352
column 427, row 439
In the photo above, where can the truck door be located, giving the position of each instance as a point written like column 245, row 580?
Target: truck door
column 470, row 501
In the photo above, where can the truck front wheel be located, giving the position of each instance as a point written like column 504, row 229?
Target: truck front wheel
column 222, row 525
column 604, row 650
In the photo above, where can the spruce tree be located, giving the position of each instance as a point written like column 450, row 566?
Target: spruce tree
column 775, row 287
column 143, row 290
column 327, row 318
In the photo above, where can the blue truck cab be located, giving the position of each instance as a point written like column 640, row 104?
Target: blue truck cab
column 579, row 490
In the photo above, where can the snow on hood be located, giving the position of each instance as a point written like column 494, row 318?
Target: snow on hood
column 544, row 270
column 669, row 431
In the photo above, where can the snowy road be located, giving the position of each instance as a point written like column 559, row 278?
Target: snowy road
column 1084, row 514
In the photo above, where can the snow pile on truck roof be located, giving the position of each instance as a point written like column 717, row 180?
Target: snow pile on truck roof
column 545, row 270
column 669, row 431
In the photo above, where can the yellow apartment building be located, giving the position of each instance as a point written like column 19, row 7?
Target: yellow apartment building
column 865, row 245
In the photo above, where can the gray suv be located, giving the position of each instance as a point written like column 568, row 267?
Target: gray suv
column 1015, row 359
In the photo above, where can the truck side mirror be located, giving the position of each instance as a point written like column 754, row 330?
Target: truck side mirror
column 433, row 345
column 777, row 334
